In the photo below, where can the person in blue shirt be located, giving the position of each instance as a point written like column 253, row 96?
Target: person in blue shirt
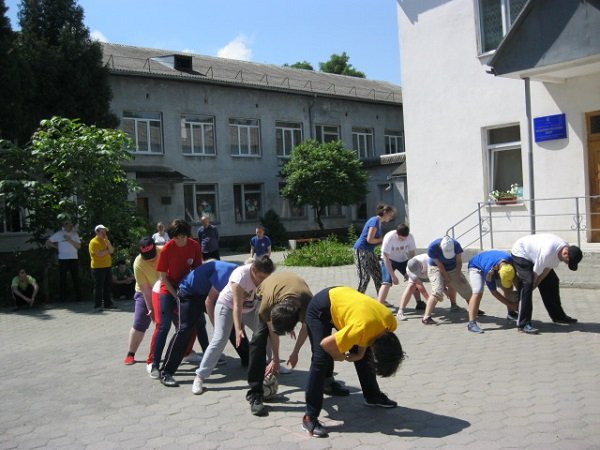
column 445, row 262
column 367, row 263
column 260, row 244
column 491, row 267
column 196, row 295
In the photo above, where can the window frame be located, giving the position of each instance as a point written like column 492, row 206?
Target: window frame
column 395, row 136
column 206, row 124
column 212, row 190
column 286, row 208
column 507, row 17
column 7, row 217
column 321, row 133
column 287, row 128
column 491, row 150
column 236, row 126
column 139, row 118
column 363, row 137
column 240, row 210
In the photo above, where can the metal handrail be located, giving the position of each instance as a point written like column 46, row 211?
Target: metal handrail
column 488, row 213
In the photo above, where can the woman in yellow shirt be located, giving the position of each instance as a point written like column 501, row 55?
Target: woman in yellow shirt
column 365, row 336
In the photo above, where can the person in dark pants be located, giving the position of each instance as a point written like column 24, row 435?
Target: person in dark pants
column 535, row 257
column 101, row 250
column 365, row 336
column 208, row 236
column 67, row 242
column 199, row 287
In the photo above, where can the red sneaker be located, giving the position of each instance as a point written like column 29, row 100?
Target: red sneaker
column 129, row 360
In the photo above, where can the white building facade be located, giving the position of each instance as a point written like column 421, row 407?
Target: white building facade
column 495, row 96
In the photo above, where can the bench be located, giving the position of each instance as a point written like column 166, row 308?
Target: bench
column 295, row 243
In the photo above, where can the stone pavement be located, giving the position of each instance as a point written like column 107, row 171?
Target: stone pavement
column 64, row 385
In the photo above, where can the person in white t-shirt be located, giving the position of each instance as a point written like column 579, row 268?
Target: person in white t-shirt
column 397, row 248
column 535, row 257
column 235, row 307
column 67, row 242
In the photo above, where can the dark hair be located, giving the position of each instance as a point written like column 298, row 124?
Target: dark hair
column 387, row 354
column 285, row 315
column 264, row 264
column 179, row 227
column 402, row 230
column 383, row 208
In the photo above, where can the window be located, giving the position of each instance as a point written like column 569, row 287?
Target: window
column 12, row 220
column 333, row 211
column 495, row 19
column 394, row 142
column 504, row 152
column 145, row 129
column 197, row 135
column 290, row 210
column 200, row 199
column 327, row 133
column 287, row 136
column 362, row 142
column 245, row 137
column 248, row 201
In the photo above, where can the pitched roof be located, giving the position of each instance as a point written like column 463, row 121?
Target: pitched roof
column 129, row 60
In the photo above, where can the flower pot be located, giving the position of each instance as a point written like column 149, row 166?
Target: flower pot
column 506, row 201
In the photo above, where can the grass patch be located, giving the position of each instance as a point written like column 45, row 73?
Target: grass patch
column 326, row 253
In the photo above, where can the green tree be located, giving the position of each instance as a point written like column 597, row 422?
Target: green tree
column 323, row 174
column 9, row 81
column 339, row 64
column 62, row 65
column 71, row 169
column 300, row 65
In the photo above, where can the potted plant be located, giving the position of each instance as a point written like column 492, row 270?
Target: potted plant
column 506, row 197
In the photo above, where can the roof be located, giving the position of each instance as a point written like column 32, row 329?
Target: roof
column 551, row 40
column 129, row 60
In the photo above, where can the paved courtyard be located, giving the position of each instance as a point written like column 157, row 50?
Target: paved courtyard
column 64, row 386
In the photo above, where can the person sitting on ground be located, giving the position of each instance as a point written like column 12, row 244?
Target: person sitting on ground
column 397, row 248
column 123, row 282
column 24, row 289
column 490, row 267
column 260, row 244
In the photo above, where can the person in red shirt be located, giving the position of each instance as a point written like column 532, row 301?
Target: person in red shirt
column 179, row 256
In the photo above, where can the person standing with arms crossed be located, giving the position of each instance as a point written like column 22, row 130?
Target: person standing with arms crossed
column 67, row 242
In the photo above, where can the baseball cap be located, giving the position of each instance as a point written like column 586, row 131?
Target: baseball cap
column 447, row 246
column 147, row 247
column 507, row 275
column 575, row 256
column 99, row 227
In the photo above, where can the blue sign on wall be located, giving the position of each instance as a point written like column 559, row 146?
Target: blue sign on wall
column 549, row 128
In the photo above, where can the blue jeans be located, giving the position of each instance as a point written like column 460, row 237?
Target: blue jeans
column 320, row 325
column 167, row 305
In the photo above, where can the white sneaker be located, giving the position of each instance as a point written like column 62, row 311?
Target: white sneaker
column 148, row 368
column 400, row 316
column 197, row 386
column 193, row 358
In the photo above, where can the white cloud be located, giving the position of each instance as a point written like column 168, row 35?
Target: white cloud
column 236, row 49
column 98, row 36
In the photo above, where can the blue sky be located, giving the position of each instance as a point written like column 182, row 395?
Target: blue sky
column 262, row 31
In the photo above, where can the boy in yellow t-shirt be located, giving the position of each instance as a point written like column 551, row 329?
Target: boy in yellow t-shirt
column 365, row 336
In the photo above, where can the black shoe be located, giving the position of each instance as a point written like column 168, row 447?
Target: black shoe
column 313, row 427
column 566, row 320
column 382, row 401
column 335, row 389
column 421, row 305
column 168, row 380
column 512, row 316
column 154, row 373
column 257, row 408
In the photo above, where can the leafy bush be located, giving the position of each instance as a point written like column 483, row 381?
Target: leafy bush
column 274, row 229
column 325, row 253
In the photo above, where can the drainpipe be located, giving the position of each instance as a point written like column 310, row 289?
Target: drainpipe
column 530, row 154
column 310, row 118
